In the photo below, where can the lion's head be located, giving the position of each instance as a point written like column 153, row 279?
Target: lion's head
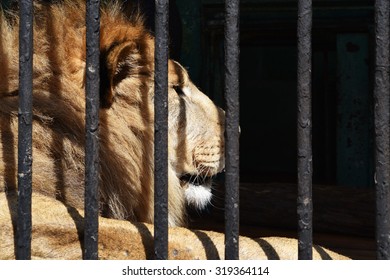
column 196, row 125
column 196, row 128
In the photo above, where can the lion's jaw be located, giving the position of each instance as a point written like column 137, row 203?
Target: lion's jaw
column 196, row 129
column 198, row 196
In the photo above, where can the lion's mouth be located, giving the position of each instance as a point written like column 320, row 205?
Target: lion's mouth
column 195, row 180
column 197, row 189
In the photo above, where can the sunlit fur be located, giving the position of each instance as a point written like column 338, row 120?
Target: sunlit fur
column 126, row 116
column 58, row 235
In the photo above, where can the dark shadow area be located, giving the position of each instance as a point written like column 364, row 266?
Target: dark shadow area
column 324, row 255
column 9, row 157
column 147, row 240
column 208, row 245
column 269, row 251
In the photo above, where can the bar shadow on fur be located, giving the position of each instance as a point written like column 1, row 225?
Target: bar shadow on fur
column 208, row 244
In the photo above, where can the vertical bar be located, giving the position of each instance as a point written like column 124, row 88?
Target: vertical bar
column 232, row 178
column 304, row 130
column 24, row 224
column 161, row 131
column 382, row 123
column 92, row 131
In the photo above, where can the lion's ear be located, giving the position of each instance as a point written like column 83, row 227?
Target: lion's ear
column 116, row 63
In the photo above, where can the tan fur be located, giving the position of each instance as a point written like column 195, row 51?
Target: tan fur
column 126, row 117
column 56, row 232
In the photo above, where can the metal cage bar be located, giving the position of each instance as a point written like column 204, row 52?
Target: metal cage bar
column 161, row 131
column 304, row 130
column 24, row 224
column 92, row 130
column 382, row 123
column 232, row 179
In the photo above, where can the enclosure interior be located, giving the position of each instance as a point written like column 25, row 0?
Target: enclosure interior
column 342, row 75
column 342, row 105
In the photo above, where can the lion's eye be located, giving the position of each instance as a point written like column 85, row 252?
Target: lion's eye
column 179, row 90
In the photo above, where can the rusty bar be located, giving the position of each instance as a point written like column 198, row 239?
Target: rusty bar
column 161, row 131
column 304, row 130
column 24, row 224
column 232, row 177
column 382, row 123
column 92, row 131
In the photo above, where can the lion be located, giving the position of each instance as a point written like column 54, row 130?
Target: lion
column 195, row 146
column 126, row 131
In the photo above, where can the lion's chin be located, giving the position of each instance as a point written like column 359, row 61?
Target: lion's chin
column 197, row 190
column 198, row 196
